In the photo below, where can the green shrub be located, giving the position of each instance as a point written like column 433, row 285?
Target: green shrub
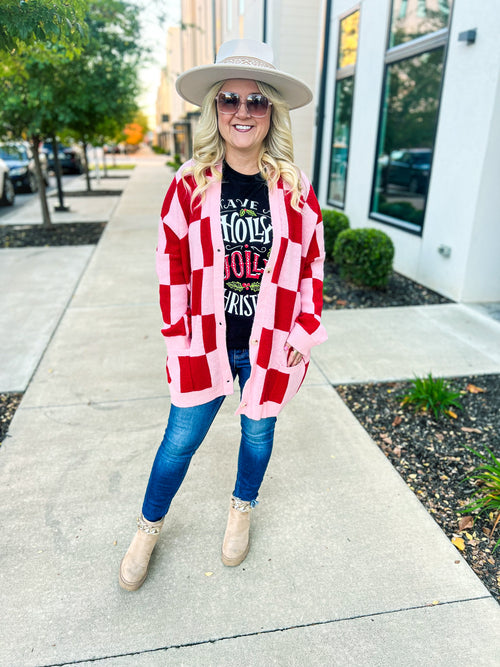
column 433, row 395
column 334, row 222
column 175, row 163
column 364, row 256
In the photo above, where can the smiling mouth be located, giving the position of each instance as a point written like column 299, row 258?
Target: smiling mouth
column 243, row 127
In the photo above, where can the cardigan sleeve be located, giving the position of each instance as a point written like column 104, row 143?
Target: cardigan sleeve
column 307, row 329
column 173, row 265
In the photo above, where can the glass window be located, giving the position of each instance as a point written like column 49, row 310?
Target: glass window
column 342, row 112
column 408, row 125
column 409, row 114
column 415, row 18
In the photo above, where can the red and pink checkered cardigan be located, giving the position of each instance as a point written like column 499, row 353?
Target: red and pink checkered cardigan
column 190, row 266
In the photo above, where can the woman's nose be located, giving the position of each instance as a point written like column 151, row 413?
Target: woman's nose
column 242, row 109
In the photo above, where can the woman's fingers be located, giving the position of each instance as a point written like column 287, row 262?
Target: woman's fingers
column 294, row 356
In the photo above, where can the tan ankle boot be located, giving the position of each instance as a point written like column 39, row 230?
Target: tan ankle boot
column 134, row 566
column 237, row 538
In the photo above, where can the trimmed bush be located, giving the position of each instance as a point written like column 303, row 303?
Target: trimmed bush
column 334, row 222
column 364, row 256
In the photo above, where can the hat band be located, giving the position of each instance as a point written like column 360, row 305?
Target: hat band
column 247, row 60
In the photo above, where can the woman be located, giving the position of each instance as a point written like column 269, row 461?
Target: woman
column 240, row 264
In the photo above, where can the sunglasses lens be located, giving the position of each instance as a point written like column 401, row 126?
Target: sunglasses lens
column 257, row 105
column 228, row 102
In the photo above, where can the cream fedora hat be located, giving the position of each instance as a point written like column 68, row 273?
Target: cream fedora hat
column 242, row 59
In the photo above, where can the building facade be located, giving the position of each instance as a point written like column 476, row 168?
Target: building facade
column 404, row 131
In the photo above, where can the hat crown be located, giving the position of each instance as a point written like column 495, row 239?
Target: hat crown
column 246, row 49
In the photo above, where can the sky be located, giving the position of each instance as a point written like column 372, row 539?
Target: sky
column 154, row 35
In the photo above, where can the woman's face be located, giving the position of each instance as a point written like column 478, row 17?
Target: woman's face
column 243, row 134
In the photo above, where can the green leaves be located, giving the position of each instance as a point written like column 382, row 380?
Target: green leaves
column 487, row 497
column 433, row 395
column 334, row 222
column 364, row 256
column 26, row 23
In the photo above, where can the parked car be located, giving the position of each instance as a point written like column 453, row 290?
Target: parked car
column 7, row 191
column 21, row 163
column 408, row 168
column 70, row 158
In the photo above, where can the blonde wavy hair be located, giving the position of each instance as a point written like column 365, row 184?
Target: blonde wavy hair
column 275, row 159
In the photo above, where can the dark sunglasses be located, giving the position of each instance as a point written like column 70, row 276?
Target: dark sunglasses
column 256, row 103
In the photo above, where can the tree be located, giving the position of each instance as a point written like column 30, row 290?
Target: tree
column 28, row 22
column 46, row 88
column 104, row 77
column 31, row 81
column 134, row 132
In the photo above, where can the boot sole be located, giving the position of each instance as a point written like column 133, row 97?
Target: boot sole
column 130, row 586
column 233, row 562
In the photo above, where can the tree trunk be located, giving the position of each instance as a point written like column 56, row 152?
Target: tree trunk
column 57, row 169
column 86, row 161
column 35, row 144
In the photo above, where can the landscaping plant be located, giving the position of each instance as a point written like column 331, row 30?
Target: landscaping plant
column 334, row 222
column 434, row 395
column 487, row 497
column 364, row 256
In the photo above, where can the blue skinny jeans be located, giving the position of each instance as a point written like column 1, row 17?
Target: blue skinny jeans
column 186, row 430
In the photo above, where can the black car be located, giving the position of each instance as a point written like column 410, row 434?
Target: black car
column 19, row 158
column 70, row 159
column 409, row 169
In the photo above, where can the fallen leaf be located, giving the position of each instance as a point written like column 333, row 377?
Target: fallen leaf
column 472, row 389
column 397, row 420
column 466, row 429
column 451, row 414
column 208, row 574
column 465, row 522
column 327, row 298
column 397, row 451
column 386, row 438
column 341, row 302
column 458, row 542
column 115, row 543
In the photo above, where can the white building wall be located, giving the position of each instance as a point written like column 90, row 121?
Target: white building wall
column 464, row 196
column 294, row 31
column 461, row 210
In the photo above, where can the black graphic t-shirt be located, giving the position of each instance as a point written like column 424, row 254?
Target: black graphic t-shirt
column 247, row 234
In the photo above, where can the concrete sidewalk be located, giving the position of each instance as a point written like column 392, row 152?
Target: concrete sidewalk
column 346, row 566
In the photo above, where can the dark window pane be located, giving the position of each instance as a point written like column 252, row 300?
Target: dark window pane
column 406, row 137
column 341, row 131
column 414, row 18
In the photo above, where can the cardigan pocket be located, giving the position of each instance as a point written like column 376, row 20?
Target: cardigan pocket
column 282, row 383
column 188, row 373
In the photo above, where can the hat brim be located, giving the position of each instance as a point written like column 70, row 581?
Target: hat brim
column 194, row 84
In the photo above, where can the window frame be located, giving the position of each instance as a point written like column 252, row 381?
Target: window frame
column 412, row 49
column 342, row 73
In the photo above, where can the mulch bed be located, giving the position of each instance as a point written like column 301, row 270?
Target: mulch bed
column 400, row 291
column 9, row 403
column 432, row 458
column 58, row 234
column 91, row 193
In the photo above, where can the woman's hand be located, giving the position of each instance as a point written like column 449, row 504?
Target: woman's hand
column 294, row 357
